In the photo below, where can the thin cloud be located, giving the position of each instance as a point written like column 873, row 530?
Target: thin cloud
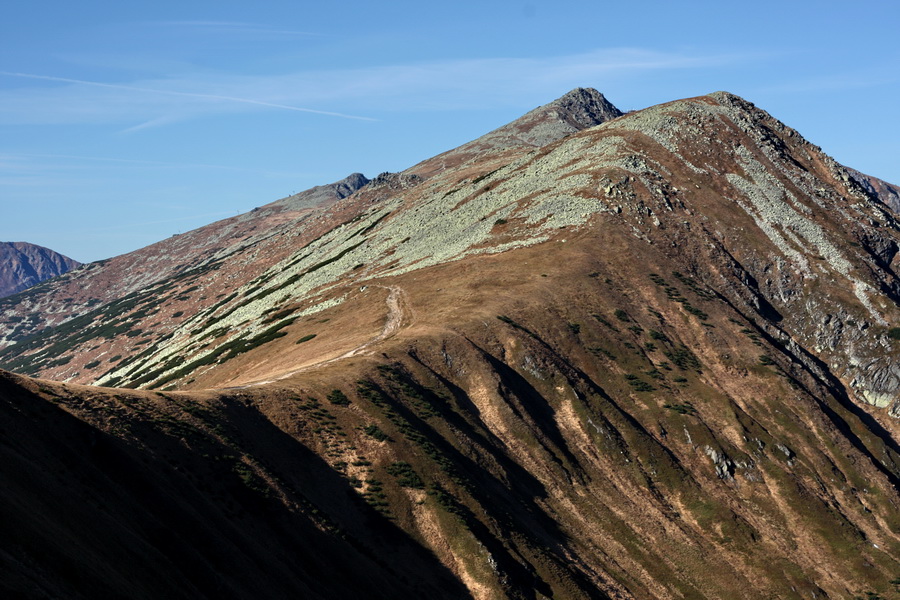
column 238, row 27
column 157, row 122
column 184, row 94
column 424, row 86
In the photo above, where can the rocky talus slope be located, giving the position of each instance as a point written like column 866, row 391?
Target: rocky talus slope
column 651, row 358
column 23, row 265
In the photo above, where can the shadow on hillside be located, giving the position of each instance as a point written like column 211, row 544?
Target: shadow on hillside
column 515, row 502
column 164, row 514
column 313, row 483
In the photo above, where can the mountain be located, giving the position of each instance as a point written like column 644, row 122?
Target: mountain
column 23, row 265
column 200, row 250
column 654, row 357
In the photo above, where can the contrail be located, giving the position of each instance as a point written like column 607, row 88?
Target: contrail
column 188, row 94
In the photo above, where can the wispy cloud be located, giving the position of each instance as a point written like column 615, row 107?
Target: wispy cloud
column 220, row 97
column 235, row 27
column 422, row 86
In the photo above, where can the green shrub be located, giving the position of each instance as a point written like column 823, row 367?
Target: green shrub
column 338, row 397
column 683, row 358
column 376, row 432
column 894, row 333
column 641, row 386
column 658, row 336
column 406, row 476
column 683, row 409
column 597, row 351
column 605, row 322
column 695, row 311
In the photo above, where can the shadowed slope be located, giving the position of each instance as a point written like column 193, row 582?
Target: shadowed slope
column 143, row 500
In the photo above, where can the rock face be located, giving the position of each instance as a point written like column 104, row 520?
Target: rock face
column 887, row 193
column 23, row 265
column 616, row 365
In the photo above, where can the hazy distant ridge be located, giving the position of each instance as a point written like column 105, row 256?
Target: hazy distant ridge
column 23, row 265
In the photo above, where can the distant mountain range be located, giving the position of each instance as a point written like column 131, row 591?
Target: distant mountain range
column 23, row 265
column 587, row 355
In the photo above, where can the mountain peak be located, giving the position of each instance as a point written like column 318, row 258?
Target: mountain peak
column 23, row 265
column 580, row 108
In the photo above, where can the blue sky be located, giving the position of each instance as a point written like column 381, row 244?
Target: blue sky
column 122, row 124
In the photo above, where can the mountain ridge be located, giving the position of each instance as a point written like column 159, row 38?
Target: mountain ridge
column 111, row 279
column 578, row 109
column 24, row 265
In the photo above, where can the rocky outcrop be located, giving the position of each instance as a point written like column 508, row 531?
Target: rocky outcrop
column 320, row 195
column 23, row 265
column 885, row 192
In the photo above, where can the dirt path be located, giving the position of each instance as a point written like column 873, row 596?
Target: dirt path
column 398, row 313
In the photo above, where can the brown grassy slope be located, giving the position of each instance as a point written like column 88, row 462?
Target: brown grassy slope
column 728, row 465
column 552, row 284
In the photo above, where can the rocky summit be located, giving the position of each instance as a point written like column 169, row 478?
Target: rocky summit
column 23, row 265
column 588, row 355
